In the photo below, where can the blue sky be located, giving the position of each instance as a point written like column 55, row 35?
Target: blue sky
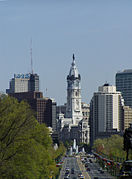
column 99, row 32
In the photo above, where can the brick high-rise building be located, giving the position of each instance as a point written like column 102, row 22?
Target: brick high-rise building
column 42, row 106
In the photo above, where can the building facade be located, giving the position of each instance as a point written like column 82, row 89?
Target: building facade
column 84, row 127
column 23, row 83
column 106, row 112
column 61, row 109
column 124, row 85
column 73, row 106
column 44, row 108
column 73, row 117
column 127, row 113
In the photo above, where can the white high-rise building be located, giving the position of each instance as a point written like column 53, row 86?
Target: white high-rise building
column 106, row 111
column 109, row 108
column 73, row 107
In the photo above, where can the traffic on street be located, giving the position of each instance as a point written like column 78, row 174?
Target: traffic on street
column 82, row 167
column 70, row 169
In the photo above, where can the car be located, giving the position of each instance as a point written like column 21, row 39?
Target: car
column 67, row 169
column 90, row 161
column 88, row 169
column 72, row 171
column 82, row 177
column 66, row 177
column 101, row 171
column 79, row 175
column 86, row 164
column 58, row 164
column 67, row 172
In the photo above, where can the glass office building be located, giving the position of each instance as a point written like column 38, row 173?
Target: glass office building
column 124, row 85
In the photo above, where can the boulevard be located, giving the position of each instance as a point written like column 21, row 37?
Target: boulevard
column 70, row 163
column 82, row 167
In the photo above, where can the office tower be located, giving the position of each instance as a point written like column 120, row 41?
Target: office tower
column 73, row 106
column 106, row 112
column 34, row 82
column 40, row 105
column 44, row 111
column 124, row 85
column 23, row 83
column 127, row 114
column 54, row 121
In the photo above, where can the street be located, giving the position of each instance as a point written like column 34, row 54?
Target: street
column 87, row 169
column 71, row 163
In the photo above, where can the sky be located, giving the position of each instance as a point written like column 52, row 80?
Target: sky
column 98, row 32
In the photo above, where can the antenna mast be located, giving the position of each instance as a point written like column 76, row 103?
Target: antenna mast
column 31, row 58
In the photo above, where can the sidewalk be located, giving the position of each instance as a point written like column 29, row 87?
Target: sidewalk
column 82, row 168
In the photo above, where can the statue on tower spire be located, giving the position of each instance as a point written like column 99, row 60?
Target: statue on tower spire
column 73, row 57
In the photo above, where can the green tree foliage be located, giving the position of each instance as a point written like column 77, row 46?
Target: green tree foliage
column 59, row 152
column 111, row 147
column 26, row 150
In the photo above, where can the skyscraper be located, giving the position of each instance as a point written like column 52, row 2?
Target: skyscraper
column 23, row 83
column 124, row 85
column 44, row 107
column 34, row 82
column 106, row 111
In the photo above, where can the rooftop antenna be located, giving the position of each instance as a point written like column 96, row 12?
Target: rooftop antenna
column 31, row 57
column 46, row 92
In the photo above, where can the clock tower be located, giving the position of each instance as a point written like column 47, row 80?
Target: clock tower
column 73, row 107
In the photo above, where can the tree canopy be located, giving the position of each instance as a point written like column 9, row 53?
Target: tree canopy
column 26, row 149
column 112, row 147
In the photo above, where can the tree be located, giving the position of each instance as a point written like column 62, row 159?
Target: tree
column 25, row 145
column 112, row 146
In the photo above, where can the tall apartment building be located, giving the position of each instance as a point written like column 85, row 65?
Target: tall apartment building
column 23, row 83
column 124, row 85
column 106, row 112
